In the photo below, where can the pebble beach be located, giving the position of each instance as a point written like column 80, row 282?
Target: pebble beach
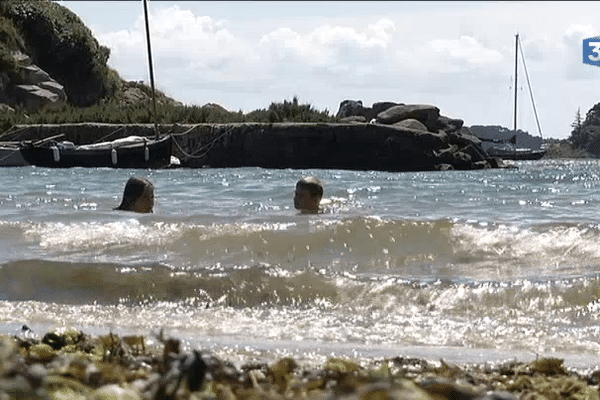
column 69, row 364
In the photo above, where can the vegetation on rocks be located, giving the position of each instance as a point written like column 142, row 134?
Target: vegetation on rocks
column 123, row 108
column 586, row 132
column 10, row 40
column 58, row 42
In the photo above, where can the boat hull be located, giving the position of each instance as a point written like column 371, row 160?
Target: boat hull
column 528, row 155
column 151, row 154
column 11, row 157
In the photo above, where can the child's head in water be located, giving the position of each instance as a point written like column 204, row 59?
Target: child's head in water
column 308, row 194
column 138, row 196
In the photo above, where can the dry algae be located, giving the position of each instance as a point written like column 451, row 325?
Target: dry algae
column 69, row 364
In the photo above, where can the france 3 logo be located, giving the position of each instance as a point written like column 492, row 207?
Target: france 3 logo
column 591, row 51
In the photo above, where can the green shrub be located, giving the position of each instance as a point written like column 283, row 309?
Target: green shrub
column 114, row 112
column 10, row 41
column 289, row 111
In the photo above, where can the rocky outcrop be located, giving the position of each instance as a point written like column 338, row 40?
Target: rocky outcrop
column 31, row 87
column 443, row 141
column 426, row 114
column 411, row 124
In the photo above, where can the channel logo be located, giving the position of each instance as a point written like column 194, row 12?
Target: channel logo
column 591, row 51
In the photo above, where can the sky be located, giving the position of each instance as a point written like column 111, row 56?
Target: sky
column 458, row 56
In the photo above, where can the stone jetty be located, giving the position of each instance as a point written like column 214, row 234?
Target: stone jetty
column 386, row 137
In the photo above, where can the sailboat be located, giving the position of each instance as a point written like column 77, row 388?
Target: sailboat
column 508, row 149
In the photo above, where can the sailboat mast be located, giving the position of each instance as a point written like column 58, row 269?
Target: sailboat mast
column 537, row 120
column 516, row 85
column 151, row 70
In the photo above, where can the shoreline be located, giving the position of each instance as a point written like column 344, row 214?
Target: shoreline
column 70, row 363
column 311, row 353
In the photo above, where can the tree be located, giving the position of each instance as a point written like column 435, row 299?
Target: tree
column 578, row 137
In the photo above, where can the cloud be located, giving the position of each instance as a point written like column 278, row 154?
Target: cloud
column 191, row 50
column 459, row 55
column 340, row 52
column 572, row 41
column 180, row 41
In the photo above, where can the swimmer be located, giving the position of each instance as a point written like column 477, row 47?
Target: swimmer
column 138, row 196
column 308, row 194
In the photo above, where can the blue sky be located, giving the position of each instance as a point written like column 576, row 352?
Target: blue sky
column 458, row 56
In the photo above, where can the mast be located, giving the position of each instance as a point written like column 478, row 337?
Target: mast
column 537, row 121
column 151, row 70
column 516, row 71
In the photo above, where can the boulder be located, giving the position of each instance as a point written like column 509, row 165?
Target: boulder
column 453, row 156
column 411, row 124
column 481, row 165
column 464, row 136
column 21, row 58
column 426, row 114
column 350, row 108
column 33, row 74
column 54, row 87
column 33, row 97
column 444, row 167
column 449, row 124
column 475, row 152
column 446, row 155
column 354, row 118
column 384, row 105
column 31, row 86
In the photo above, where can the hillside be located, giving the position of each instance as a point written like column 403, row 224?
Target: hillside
column 49, row 57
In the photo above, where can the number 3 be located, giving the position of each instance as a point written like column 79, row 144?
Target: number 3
column 595, row 50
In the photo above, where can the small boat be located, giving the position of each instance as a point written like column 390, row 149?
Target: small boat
column 128, row 152
column 515, row 153
column 507, row 149
column 10, row 155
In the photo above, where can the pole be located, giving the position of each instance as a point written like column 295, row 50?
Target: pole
column 516, row 85
column 150, row 65
column 537, row 120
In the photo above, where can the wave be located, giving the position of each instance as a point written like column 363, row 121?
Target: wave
column 264, row 285
column 361, row 245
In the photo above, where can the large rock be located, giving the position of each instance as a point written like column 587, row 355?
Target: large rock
column 384, row 105
column 54, row 87
column 426, row 114
column 411, row 124
column 449, row 124
column 34, row 74
column 33, row 97
column 354, row 118
column 30, row 86
column 350, row 108
column 355, row 108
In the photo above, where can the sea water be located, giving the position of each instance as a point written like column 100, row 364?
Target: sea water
column 469, row 266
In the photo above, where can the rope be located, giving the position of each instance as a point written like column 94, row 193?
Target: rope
column 9, row 130
column 8, row 155
column 110, row 134
column 26, row 127
column 186, row 132
column 207, row 146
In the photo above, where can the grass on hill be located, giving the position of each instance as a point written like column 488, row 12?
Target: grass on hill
column 115, row 111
